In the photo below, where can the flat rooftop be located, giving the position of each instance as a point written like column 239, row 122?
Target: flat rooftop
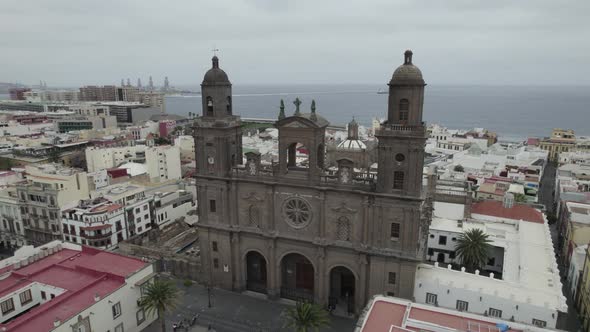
column 81, row 272
column 391, row 314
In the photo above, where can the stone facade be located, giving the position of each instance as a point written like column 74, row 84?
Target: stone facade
column 293, row 230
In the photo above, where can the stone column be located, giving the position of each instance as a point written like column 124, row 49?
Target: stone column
column 320, row 277
column 273, row 269
column 360, row 294
column 235, row 268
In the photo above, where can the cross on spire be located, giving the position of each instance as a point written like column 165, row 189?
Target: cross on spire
column 215, row 50
column 297, row 103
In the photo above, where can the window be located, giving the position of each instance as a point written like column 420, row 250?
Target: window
column 7, row 306
column 216, row 263
column 145, row 207
column 390, row 294
column 146, row 216
column 212, row 206
column 140, row 316
column 52, row 296
column 137, row 210
column 431, row 298
column 391, row 278
column 495, row 313
column 492, row 261
column 442, row 240
column 119, row 328
column 395, row 226
column 462, row 305
column 214, row 245
column 43, row 295
column 398, row 180
column 25, row 297
column 539, row 323
column 116, row 310
column 209, row 106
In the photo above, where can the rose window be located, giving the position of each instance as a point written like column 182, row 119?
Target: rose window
column 297, row 212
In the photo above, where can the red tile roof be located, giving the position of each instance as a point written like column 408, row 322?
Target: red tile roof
column 82, row 274
column 517, row 212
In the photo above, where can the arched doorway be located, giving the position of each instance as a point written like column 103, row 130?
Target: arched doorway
column 440, row 257
column 342, row 290
column 255, row 272
column 297, row 278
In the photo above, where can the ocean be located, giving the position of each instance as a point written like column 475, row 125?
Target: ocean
column 514, row 112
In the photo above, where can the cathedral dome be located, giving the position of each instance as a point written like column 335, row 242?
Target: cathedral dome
column 352, row 144
column 407, row 74
column 215, row 75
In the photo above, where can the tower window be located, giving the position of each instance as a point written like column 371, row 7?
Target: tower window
column 398, row 180
column 404, row 108
column 228, row 105
column 395, row 231
column 212, row 206
column 209, row 106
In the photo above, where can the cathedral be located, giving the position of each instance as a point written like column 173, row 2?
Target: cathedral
column 293, row 230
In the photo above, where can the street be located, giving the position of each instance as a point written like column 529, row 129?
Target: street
column 234, row 312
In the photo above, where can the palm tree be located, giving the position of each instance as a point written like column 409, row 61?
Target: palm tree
column 473, row 248
column 159, row 297
column 305, row 317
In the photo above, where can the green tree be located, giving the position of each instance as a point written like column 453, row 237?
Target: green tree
column 160, row 296
column 473, row 249
column 459, row 168
column 520, row 198
column 306, row 317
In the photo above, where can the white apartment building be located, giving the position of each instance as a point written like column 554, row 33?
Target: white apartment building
column 522, row 283
column 72, row 288
column 186, row 144
column 163, row 162
column 97, row 222
column 171, row 206
column 139, row 208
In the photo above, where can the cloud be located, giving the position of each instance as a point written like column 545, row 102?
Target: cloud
column 70, row 43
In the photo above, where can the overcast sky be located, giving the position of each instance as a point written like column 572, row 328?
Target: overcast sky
column 492, row 42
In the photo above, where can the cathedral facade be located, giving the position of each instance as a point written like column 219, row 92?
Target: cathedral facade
column 292, row 230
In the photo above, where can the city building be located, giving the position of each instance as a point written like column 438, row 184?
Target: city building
column 583, row 299
column 18, row 93
column 521, row 280
column 391, row 314
column 293, row 230
column 85, row 122
column 129, row 113
column 48, row 188
column 68, row 96
column 98, row 93
column 95, row 222
column 573, row 229
column 64, row 287
column 138, row 207
column 171, row 206
column 12, row 230
column 186, row 145
column 561, row 140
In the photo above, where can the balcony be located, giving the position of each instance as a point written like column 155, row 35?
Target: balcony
column 401, row 129
column 102, row 236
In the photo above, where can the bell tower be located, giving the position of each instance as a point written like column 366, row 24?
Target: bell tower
column 217, row 132
column 402, row 137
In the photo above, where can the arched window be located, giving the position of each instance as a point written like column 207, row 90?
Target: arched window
column 398, row 180
column 253, row 215
column 295, row 151
column 229, row 105
column 404, row 109
column 343, row 229
column 209, row 106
